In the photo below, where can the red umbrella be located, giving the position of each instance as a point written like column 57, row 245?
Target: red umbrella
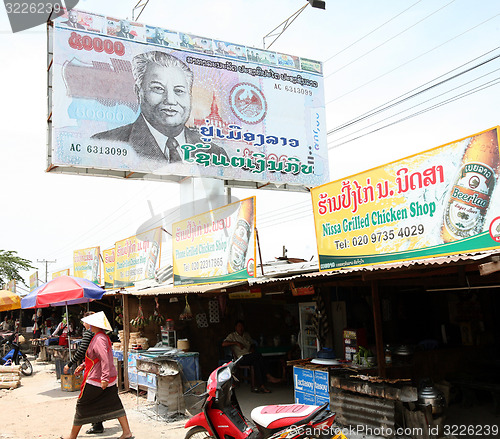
column 63, row 291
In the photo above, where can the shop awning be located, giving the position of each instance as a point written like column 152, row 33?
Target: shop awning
column 301, row 271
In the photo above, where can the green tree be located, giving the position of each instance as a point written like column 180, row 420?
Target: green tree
column 10, row 265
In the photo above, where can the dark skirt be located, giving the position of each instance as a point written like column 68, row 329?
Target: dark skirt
column 97, row 405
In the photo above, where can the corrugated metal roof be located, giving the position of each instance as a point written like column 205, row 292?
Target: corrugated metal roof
column 383, row 267
column 302, row 270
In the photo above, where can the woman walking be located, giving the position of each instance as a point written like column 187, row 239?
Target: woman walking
column 98, row 400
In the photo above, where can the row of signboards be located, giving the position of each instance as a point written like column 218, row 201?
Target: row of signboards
column 440, row 202
column 215, row 246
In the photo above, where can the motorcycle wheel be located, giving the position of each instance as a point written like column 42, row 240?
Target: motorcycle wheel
column 26, row 367
column 198, row 433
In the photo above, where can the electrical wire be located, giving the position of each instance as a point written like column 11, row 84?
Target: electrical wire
column 390, row 39
column 423, row 102
column 462, row 95
column 411, row 60
column 371, row 32
column 104, row 224
column 400, row 99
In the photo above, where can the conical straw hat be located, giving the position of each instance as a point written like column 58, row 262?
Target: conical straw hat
column 98, row 320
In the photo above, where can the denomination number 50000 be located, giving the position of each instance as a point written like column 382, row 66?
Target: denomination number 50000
column 76, row 41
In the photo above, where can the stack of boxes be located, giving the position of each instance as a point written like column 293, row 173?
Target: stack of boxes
column 311, row 386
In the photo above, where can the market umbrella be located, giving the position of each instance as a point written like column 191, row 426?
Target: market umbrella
column 63, row 291
column 9, row 300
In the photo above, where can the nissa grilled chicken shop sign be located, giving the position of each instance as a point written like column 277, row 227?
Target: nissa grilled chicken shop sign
column 440, row 202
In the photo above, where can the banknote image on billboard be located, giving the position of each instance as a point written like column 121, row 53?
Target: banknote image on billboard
column 440, row 202
column 86, row 264
column 108, row 257
column 143, row 100
column 137, row 258
column 215, row 246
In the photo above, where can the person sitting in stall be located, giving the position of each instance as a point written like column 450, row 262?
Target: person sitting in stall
column 242, row 345
column 5, row 325
column 51, row 322
column 62, row 330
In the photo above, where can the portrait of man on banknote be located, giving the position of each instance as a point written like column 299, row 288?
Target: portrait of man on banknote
column 163, row 85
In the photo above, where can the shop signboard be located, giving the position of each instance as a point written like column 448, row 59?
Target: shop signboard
column 34, row 280
column 59, row 273
column 240, row 114
column 215, row 246
column 252, row 293
column 108, row 257
column 137, row 258
column 440, row 202
column 11, row 285
column 86, row 264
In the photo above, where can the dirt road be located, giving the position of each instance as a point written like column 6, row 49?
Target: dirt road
column 39, row 409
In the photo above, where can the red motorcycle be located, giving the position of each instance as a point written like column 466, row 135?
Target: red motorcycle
column 221, row 416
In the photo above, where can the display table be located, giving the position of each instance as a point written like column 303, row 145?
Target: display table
column 189, row 362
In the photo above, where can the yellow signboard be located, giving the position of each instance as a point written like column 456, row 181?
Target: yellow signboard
column 11, row 285
column 137, row 257
column 440, row 202
column 33, row 280
column 60, row 273
column 215, row 246
column 86, row 264
column 252, row 293
column 108, row 257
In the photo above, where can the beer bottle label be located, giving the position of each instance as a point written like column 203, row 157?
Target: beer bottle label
column 239, row 245
column 469, row 201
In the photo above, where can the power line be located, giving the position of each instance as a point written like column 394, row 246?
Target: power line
column 394, row 102
column 460, row 96
column 104, row 224
column 411, row 60
column 369, row 33
column 390, row 39
column 424, row 102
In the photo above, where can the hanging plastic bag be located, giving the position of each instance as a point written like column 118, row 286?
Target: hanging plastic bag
column 186, row 314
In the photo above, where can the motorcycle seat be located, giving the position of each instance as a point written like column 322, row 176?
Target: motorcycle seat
column 281, row 415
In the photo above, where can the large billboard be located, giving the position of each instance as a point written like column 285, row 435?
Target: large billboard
column 137, row 258
column 440, row 202
column 136, row 101
column 86, row 264
column 215, row 246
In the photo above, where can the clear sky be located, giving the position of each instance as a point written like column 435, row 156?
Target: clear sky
column 373, row 52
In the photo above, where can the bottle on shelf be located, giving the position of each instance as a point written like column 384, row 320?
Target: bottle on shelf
column 388, row 355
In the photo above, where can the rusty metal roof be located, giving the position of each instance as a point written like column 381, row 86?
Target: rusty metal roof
column 307, row 270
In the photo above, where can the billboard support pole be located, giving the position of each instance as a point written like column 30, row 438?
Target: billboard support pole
column 198, row 195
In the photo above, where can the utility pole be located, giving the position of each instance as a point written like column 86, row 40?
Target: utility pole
column 46, row 266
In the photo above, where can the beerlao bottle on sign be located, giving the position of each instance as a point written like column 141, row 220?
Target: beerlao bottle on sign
column 471, row 192
column 241, row 236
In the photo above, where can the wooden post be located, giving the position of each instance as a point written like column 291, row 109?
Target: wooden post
column 260, row 255
column 126, row 337
column 377, row 322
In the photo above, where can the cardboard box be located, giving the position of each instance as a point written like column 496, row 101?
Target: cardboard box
column 320, row 400
column 71, row 383
column 304, row 398
column 303, row 380
column 321, row 384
